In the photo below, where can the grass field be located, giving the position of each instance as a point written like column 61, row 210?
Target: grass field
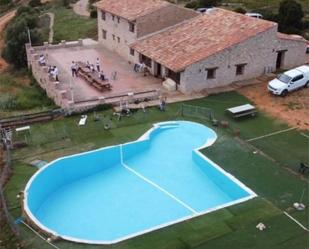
column 19, row 93
column 70, row 26
column 273, row 177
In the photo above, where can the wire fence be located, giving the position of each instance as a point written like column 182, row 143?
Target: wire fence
column 16, row 236
column 198, row 112
column 5, row 172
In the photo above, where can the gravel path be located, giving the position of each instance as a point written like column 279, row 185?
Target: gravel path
column 81, row 8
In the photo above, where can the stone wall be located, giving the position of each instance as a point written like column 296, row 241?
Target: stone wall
column 257, row 53
column 163, row 18
column 115, row 30
column 60, row 90
column 295, row 54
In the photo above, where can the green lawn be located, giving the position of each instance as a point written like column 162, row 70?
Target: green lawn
column 234, row 227
column 70, row 26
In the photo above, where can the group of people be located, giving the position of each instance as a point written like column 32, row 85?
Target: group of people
column 92, row 67
column 53, row 72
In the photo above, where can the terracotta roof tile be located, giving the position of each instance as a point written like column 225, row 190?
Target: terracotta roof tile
column 291, row 37
column 200, row 37
column 130, row 9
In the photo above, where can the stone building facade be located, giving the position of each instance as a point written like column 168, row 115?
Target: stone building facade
column 118, row 27
column 252, row 58
column 197, row 51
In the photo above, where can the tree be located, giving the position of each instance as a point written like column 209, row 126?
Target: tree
column 5, row 2
column 25, row 9
column 208, row 3
column 17, row 35
column 35, row 3
column 290, row 15
column 191, row 4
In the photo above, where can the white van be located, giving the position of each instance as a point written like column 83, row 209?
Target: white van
column 290, row 81
column 255, row 15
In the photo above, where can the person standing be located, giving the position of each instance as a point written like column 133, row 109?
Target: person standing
column 56, row 73
column 98, row 64
column 74, row 69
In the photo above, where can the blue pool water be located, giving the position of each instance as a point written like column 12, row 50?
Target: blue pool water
column 114, row 193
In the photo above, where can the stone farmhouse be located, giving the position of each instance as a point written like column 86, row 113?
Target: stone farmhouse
column 196, row 50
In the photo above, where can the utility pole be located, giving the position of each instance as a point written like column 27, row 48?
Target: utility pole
column 29, row 36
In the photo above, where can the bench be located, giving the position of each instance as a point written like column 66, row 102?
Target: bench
column 242, row 111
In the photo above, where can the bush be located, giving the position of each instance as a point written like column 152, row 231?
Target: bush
column 191, row 5
column 268, row 15
column 208, row 3
column 5, row 2
column 25, row 9
column 8, row 102
column 290, row 15
column 93, row 13
column 35, row 3
column 240, row 10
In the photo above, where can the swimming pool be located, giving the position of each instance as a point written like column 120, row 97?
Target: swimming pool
column 118, row 192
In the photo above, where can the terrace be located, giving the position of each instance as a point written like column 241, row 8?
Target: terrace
column 76, row 92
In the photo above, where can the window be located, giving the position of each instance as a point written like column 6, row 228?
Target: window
column 118, row 39
column 104, row 32
column 118, row 19
column 131, row 27
column 103, row 15
column 298, row 77
column 240, row 69
column 114, row 37
column 211, row 73
column 113, row 17
column 132, row 51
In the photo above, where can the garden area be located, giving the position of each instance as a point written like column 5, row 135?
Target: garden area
column 269, row 166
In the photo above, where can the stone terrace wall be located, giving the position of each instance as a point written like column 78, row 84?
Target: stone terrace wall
column 60, row 90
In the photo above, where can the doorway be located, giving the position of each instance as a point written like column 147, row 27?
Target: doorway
column 158, row 71
column 280, row 59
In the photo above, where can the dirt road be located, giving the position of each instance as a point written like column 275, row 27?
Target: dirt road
column 292, row 109
column 4, row 20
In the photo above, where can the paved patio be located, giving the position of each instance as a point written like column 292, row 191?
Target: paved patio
column 127, row 80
